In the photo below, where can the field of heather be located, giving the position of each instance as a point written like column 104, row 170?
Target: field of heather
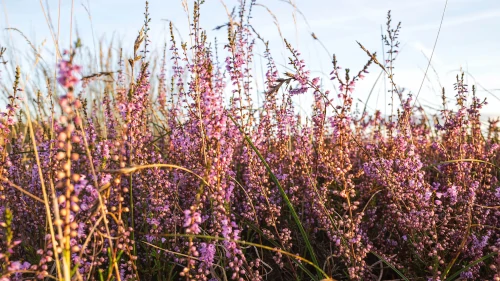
column 128, row 161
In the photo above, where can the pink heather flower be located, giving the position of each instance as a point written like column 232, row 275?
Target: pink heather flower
column 15, row 266
column 226, row 229
column 427, row 195
column 10, row 121
column 191, row 222
column 81, row 230
column 315, row 81
column 452, row 193
column 67, row 72
column 466, row 275
column 207, row 253
column 122, row 107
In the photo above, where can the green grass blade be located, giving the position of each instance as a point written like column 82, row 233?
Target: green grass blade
column 283, row 194
column 246, row 243
column 456, row 274
column 391, row 266
column 256, row 229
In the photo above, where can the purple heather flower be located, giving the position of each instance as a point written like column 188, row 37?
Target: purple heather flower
column 67, row 74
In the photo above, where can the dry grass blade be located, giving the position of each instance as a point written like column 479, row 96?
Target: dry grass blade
column 276, row 22
column 462, row 160
column 432, row 53
column 2, row 52
column 139, row 40
column 21, row 190
column 35, row 51
column 97, row 75
column 150, row 166
column 241, row 242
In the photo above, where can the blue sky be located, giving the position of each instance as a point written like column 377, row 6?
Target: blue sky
column 469, row 37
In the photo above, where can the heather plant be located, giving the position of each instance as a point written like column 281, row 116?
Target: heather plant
column 161, row 166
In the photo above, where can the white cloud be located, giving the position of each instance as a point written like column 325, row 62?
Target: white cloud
column 458, row 20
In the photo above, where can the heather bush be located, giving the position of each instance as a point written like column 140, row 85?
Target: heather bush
column 162, row 167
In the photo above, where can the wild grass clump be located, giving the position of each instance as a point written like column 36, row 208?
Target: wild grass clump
column 164, row 168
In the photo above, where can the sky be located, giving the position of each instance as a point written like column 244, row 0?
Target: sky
column 469, row 38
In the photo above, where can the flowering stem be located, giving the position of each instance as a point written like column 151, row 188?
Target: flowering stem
column 314, row 264
column 283, row 194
